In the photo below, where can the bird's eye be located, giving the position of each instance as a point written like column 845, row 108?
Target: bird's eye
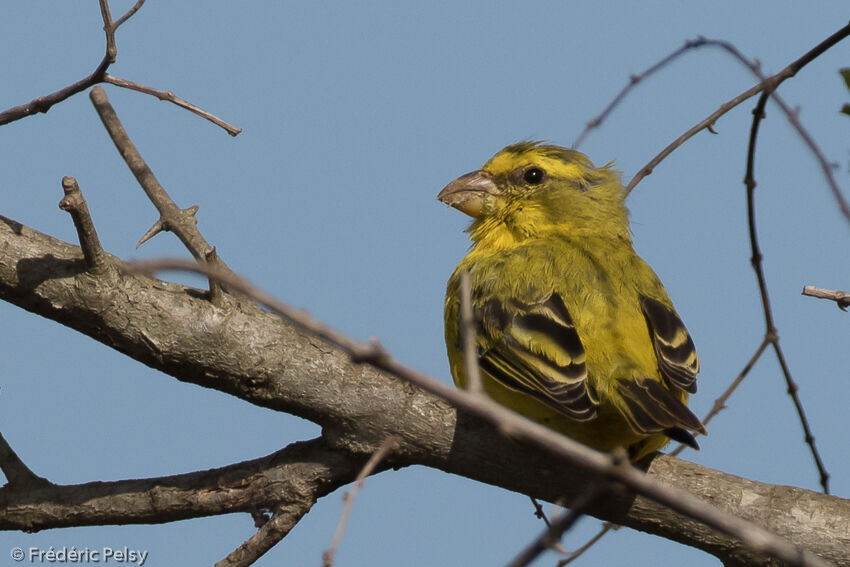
column 533, row 175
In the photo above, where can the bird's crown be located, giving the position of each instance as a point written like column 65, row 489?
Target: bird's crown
column 532, row 163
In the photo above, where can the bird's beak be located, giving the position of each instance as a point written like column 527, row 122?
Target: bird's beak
column 469, row 193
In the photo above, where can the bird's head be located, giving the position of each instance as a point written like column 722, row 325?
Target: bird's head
column 530, row 188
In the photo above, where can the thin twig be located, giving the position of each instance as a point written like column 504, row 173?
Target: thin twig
column 841, row 298
column 634, row 80
column 128, row 15
column 606, row 527
column 603, row 465
column 771, row 333
column 269, row 535
column 74, row 203
column 467, row 328
column 716, row 408
column 708, row 122
column 389, row 445
column 99, row 75
column 705, row 123
column 171, row 97
column 773, row 81
column 539, row 513
column 552, row 534
column 109, row 29
column 44, row 103
column 770, row 91
column 720, row 403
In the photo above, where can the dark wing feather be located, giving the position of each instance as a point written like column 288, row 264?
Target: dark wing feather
column 653, row 409
column 535, row 349
column 674, row 348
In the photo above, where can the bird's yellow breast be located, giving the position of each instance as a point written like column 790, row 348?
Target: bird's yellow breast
column 605, row 309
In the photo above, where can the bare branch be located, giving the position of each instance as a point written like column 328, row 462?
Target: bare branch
column 716, row 408
column 109, row 29
column 771, row 333
column 45, row 103
column 634, row 80
column 211, row 258
column 720, row 402
column 272, row 531
column 99, row 75
column 606, row 527
column 606, row 466
column 171, row 97
column 560, row 525
column 467, row 327
column 250, row 354
column 74, row 203
column 181, row 222
column 767, row 87
column 297, row 475
column 538, row 511
column 841, row 298
column 128, row 15
column 18, row 475
column 772, row 82
column 389, row 445
column 771, row 85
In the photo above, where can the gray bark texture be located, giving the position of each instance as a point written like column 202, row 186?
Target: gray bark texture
column 242, row 350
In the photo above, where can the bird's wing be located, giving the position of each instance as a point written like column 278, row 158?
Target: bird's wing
column 651, row 408
column 535, row 349
column 674, row 349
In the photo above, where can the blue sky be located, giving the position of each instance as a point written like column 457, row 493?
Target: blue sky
column 354, row 118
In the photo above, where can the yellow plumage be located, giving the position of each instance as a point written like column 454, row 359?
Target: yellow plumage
column 573, row 329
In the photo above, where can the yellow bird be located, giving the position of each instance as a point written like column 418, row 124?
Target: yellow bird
column 573, row 329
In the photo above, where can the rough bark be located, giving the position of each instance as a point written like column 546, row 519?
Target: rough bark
column 242, row 350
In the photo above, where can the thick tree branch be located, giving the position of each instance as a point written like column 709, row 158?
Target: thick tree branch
column 613, row 467
column 255, row 356
column 291, row 480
